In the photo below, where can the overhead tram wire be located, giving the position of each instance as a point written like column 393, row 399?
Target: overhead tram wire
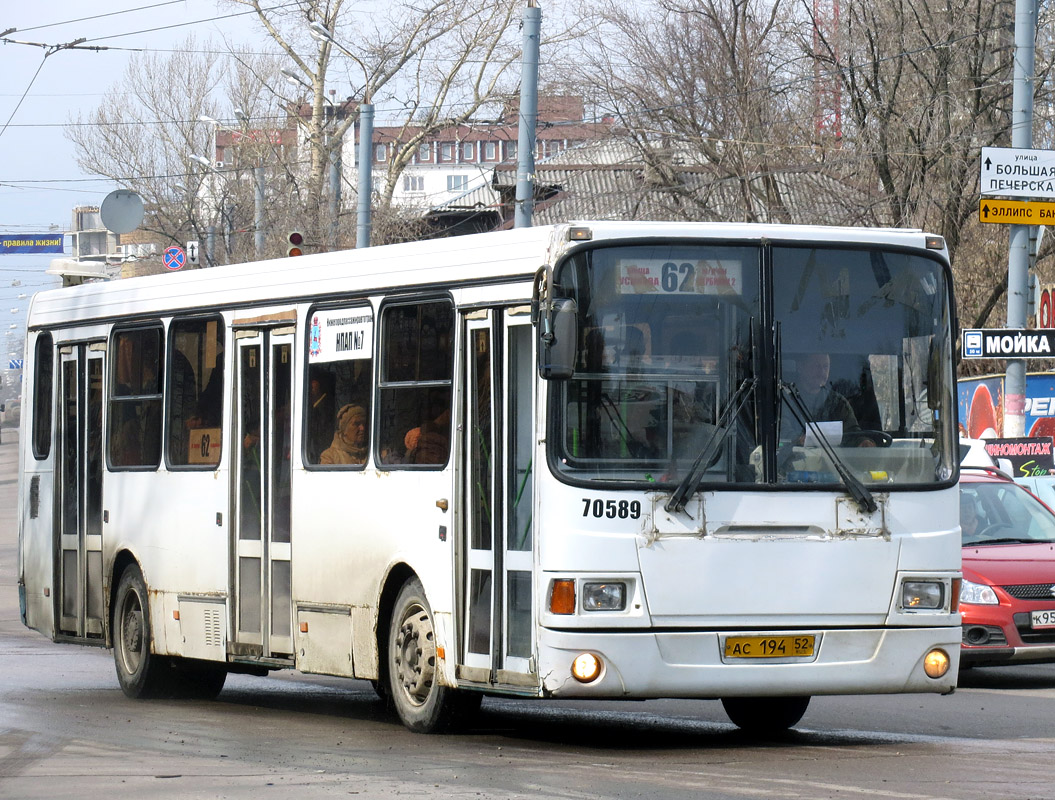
column 97, row 16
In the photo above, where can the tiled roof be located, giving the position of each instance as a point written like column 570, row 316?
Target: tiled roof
column 634, row 191
column 607, row 179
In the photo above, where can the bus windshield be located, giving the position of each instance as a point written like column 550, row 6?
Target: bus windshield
column 767, row 364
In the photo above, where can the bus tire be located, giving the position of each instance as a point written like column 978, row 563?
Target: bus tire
column 765, row 715
column 141, row 673
column 422, row 704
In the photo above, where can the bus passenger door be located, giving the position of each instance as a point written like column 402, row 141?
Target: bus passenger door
column 79, row 529
column 496, row 545
column 263, row 608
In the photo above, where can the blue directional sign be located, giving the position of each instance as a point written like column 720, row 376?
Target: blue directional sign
column 174, row 258
column 15, row 363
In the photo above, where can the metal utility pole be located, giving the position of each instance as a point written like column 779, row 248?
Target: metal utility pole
column 335, row 197
column 260, row 233
column 525, row 197
column 366, row 165
column 321, row 33
column 1018, row 255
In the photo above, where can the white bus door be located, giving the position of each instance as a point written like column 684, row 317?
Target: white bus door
column 263, row 612
column 496, row 544
column 79, row 529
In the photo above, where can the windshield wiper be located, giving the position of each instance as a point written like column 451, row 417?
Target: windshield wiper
column 857, row 490
column 688, row 483
column 1007, row 540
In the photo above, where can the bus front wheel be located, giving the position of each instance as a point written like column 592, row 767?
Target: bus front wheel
column 141, row 673
column 765, row 715
column 423, row 705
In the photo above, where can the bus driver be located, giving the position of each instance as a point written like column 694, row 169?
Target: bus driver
column 823, row 403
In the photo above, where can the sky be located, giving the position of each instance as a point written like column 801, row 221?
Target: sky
column 40, row 181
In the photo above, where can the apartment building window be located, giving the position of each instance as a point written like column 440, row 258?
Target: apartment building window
column 457, row 183
column 511, row 151
column 413, row 183
column 381, row 153
column 425, row 152
column 468, row 151
column 447, row 151
column 490, row 151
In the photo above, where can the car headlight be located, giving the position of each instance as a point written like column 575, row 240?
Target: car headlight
column 978, row 593
column 608, row 596
column 922, row 595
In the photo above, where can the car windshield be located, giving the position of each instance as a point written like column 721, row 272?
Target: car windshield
column 1003, row 513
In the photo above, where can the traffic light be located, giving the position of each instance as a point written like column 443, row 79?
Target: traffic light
column 296, row 243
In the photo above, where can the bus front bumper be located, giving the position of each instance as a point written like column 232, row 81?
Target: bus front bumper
column 649, row 664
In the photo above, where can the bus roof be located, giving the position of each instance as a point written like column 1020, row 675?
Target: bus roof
column 476, row 258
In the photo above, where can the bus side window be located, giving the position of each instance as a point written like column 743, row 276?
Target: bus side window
column 338, row 391
column 135, row 398
column 339, row 386
column 417, row 360
column 194, row 393
column 43, row 366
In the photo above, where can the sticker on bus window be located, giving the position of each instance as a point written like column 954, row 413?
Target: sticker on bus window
column 343, row 334
column 657, row 276
column 204, row 446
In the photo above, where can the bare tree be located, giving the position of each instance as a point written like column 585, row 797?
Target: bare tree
column 440, row 63
column 144, row 141
column 926, row 85
column 141, row 139
column 709, row 93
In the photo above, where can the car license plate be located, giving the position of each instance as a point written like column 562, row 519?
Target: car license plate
column 1042, row 619
column 770, row 646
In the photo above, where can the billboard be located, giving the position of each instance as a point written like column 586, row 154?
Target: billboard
column 30, row 243
column 981, row 406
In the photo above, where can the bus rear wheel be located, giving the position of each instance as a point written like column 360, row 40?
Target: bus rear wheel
column 422, row 704
column 141, row 673
column 765, row 716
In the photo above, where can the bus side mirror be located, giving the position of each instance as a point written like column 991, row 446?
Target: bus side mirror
column 557, row 339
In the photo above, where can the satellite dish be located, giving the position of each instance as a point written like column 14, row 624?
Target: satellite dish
column 122, row 211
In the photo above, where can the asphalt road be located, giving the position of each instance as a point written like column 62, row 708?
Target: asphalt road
column 66, row 731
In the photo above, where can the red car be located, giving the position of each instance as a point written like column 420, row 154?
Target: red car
column 1007, row 597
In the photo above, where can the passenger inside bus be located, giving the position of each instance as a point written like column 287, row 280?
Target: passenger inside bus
column 321, row 414
column 429, row 442
column 349, row 445
column 210, row 403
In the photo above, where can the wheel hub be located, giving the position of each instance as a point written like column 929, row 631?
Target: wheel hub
column 132, row 637
column 416, row 656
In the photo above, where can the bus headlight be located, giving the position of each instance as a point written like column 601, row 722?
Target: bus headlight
column 922, row 595
column 608, row 596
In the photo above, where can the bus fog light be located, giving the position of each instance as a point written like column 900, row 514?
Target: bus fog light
column 604, row 596
column 586, row 667
column 936, row 663
column 922, row 594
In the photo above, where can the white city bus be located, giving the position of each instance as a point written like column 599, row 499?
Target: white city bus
column 581, row 461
